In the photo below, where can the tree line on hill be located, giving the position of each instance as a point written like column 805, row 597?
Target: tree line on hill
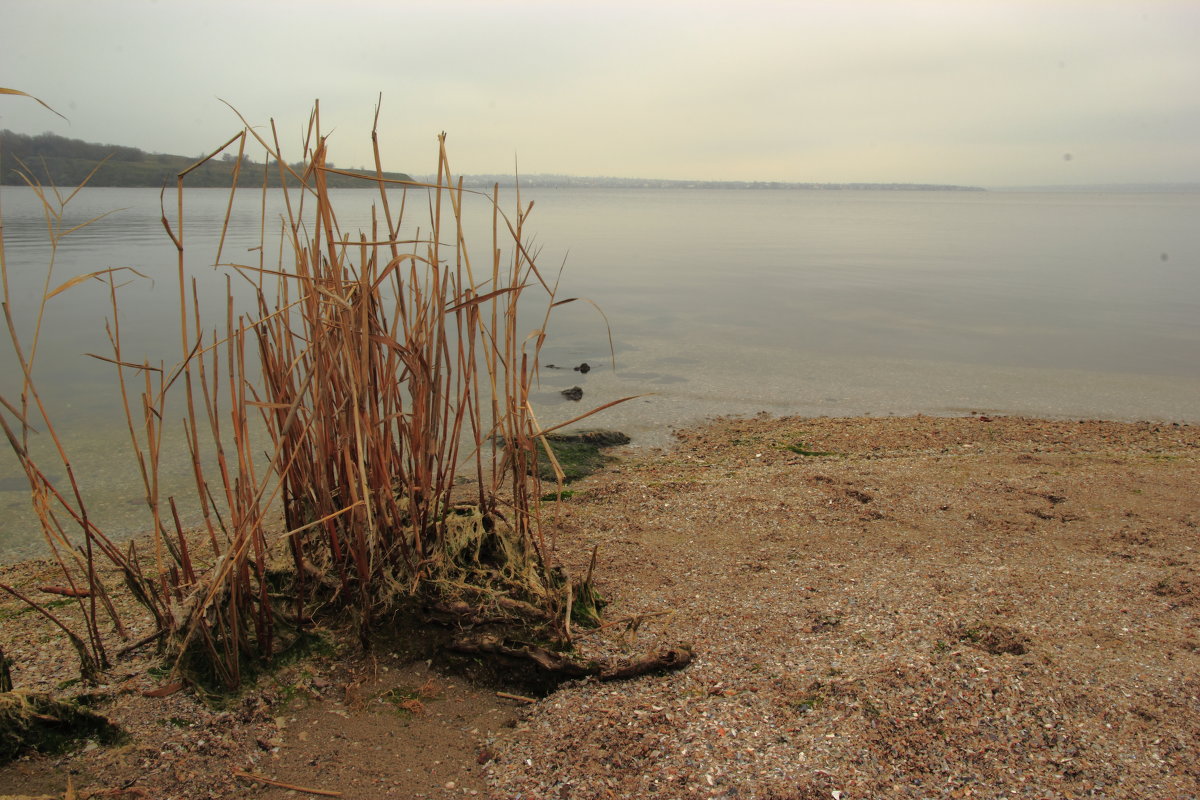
column 56, row 160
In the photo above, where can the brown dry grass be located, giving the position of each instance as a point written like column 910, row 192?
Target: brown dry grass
column 382, row 368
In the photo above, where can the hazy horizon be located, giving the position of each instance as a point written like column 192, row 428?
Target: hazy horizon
column 986, row 93
column 555, row 178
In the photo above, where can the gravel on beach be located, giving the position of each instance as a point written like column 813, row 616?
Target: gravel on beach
column 879, row 607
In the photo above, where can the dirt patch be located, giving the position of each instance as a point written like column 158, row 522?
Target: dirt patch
column 365, row 725
column 396, row 730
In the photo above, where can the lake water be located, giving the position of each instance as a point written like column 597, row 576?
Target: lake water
column 720, row 302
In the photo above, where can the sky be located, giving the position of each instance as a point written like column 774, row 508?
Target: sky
column 972, row 92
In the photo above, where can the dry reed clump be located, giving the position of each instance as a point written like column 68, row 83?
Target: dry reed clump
column 375, row 369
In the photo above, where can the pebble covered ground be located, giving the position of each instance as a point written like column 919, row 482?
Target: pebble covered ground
column 910, row 607
column 937, row 608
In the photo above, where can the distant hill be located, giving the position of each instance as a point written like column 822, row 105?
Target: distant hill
column 66, row 162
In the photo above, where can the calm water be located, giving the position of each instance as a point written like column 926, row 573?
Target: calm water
column 721, row 302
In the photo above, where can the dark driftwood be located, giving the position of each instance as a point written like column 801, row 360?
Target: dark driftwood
column 463, row 612
column 662, row 660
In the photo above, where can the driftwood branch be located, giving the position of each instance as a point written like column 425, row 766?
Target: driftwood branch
column 665, row 659
column 520, row 698
column 250, row 776
column 145, row 640
column 476, row 613
column 662, row 660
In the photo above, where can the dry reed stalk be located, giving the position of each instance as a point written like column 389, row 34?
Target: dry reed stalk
column 76, row 557
column 381, row 369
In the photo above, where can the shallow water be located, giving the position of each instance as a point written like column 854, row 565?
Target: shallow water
column 720, row 302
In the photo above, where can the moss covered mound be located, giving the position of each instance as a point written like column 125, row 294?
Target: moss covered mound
column 578, row 453
column 37, row 721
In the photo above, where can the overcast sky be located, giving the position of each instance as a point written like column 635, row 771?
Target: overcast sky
column 945, row 91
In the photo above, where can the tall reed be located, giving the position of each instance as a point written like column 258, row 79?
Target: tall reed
column 73, row 540
column 376, row 373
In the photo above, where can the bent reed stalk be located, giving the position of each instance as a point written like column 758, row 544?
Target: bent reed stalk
column 381, row 371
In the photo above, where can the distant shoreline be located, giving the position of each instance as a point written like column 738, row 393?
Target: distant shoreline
column 60, row 161
column 554, row 181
